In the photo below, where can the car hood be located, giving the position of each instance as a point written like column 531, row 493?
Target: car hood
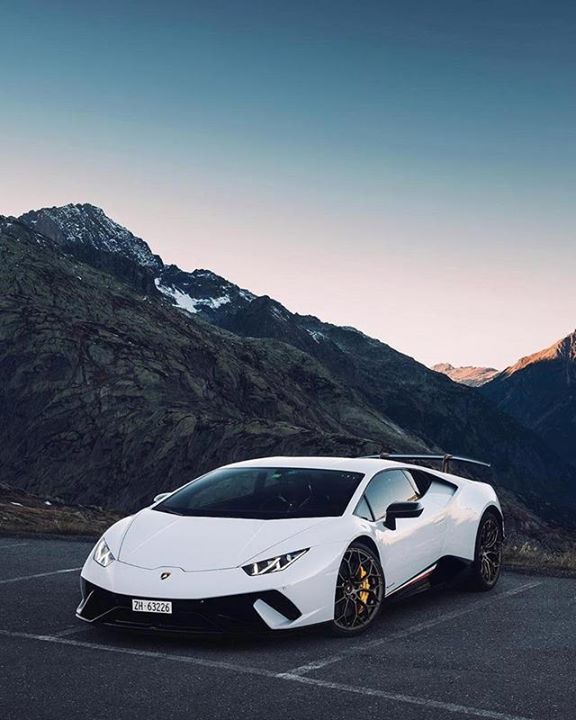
column 156, row 539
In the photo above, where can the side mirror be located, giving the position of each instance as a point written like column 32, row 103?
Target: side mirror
column 161, row 497
column 402, row 510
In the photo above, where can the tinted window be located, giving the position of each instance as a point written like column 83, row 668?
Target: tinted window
column 265, row 493
column 386, row 488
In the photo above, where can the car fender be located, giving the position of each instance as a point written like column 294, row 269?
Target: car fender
column 469, row 505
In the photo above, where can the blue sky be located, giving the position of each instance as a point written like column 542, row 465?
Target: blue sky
column 405, row 167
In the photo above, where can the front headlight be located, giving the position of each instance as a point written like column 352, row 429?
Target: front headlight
column 275, row 564
column 103, row 554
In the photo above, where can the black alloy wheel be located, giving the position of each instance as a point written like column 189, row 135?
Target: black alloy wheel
column 359, row 591
column 485, row 570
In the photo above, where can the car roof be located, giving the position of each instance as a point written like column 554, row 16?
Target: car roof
column 368, row 466
column 360, row 464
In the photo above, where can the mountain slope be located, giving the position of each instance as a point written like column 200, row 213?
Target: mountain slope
column 355, row 386
column 424, row 403
column 108, row 397
column 540, row 391
column 468, row 374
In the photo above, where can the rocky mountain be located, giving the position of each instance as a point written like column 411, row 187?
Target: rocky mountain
column 109, row 396
column 87, row 233
column 540, row 391
column 468, row 374
column 121, row 391
column 88, row 225
column 202, row 292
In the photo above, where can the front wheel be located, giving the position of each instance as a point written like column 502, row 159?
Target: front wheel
column 359, row 591
column 487, row 564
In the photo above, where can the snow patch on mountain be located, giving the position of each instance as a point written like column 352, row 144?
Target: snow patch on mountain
column 191, row 304
column 316, row 335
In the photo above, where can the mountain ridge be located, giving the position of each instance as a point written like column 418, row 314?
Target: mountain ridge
column 471, row 375
column 84, row 223
column 565, row 348
column 540, row 391
column 408, row 404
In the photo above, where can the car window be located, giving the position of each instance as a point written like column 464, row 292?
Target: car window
column 389, row 487
column 265, row 493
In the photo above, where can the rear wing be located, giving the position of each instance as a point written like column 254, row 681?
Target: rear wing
column 445, row 459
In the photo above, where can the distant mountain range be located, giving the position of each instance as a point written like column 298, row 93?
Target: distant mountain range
column 468, row 374
column 540, row 391
column 123, row 376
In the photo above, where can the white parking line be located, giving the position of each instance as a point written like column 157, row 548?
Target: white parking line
column 143, row 653
column 70, row 631
column 410, row 699
column 412, row 630
column 286, row 677
column 6, row 581
column 9, row 546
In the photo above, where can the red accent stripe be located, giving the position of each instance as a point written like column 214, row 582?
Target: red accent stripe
column 422, row 576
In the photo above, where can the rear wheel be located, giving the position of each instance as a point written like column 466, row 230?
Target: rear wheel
column 359, row 591
column 487, row 564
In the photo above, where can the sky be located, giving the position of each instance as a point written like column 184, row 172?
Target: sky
column 406, row 168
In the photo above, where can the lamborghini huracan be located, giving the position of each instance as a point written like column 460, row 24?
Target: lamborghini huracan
column 284, row 542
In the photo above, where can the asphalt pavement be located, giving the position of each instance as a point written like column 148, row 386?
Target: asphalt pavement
column 506, row 655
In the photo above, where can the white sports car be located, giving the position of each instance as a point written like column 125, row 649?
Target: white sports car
column 283, row 542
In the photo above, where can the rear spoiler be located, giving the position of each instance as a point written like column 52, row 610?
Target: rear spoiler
column 444, row 459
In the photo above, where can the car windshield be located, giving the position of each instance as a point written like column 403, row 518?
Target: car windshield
column 265, row 493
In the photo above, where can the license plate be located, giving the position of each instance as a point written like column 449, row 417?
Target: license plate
column 163, row 607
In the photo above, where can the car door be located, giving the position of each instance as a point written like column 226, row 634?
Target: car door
column 415, row 543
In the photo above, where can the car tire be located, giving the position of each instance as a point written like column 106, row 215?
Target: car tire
column 359, row 591
column 485, row 570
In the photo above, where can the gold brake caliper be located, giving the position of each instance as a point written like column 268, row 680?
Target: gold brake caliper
column 365, row 585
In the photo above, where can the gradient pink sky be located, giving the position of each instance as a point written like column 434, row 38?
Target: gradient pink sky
column 406, row 172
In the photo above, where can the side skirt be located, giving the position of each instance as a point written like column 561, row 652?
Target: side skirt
column 415, row 585
column 445, row 571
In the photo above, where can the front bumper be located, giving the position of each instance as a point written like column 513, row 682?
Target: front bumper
column 232, row 613
column 215, row 600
